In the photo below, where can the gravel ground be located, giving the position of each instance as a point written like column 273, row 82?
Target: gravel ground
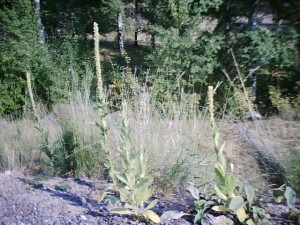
column 59, row 201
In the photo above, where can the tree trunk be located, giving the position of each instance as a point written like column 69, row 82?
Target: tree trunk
column 120, row 34
column 227, row 21
column 253, row 27
column 152, row 40
column 41, row 27
column 136, row 20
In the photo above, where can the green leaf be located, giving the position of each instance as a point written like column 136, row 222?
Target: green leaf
column 152, row 204
column 250, row 222
column 194, row 191
column 220, row 208
column 208, row 204
column 205, row 221
column 149, row 214
column 258, row 214
column 172, row 214
column 220, row 173
column 142, row 195
column 220, row 193
column 128, row 206
column 290, row 196
column 131, row 177
column 236, row 203
column 103, row 195
column 241, row 214
column 278, row 193
column 249, row 193
column 121, row 211
column 122, row 177
column 230, row 184
column 124, row 193
column 144, row 182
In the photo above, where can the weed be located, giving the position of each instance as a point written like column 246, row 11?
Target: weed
column 287, row 193
column 102, row 109
column 228, row 189
column 200, row 206
column 132, row 181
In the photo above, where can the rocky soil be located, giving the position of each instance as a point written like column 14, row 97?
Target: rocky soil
column 60, row 201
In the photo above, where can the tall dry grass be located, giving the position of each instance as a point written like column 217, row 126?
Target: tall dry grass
column 275, row 145
column 176, row 147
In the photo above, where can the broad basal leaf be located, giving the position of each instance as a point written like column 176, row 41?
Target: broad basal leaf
column 220, row 193
column 194, row 191
column 249, row 193
column 121, row 211
column 290, row 196
column 230, row 184
column 152, row 204
column 171, row 215
column 241, row 214
column 236, row 203
column 220, row 208
column 149, row 214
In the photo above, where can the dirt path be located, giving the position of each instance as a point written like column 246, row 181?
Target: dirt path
column 59, row 201
column 56, row 201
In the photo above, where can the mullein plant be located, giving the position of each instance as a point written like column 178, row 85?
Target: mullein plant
column 132, row 181
column 102, row 109
column 44, row 135
column 235, row 197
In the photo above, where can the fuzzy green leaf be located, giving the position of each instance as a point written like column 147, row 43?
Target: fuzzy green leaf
column 205, row 221
column 220, row 193
column 241, row 214
column 121, row 211
column 236, row 203
column 172, row 215
column 131, row 179
column 250, row 222
column 122, row 177
column 124, row 193
column 152, row 204
column 222, row 160
column 290, row 196
column 220, row 173
column 194, row 191
column 144, row 182
column 249, row 193
column 278, row 193
column 149, row 214
column 220, row 208
column 142, row 195
column 230, row 184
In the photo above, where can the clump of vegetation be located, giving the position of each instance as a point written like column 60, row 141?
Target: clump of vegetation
column 132, row 180
column 287, row 193
column 227, row 188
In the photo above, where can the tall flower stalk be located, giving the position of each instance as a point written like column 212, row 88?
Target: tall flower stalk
column 28, row 79
column 101, row 107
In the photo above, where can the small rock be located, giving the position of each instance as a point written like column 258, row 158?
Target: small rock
column 220, row 220
column 253, row 115
column 83, row 217
column 8, row 172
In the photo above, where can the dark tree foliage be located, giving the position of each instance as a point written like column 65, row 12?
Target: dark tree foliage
column 190, row 40
column 77, row 17
column 21, row 52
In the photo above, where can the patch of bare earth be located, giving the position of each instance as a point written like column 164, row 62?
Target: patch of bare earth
column 60, row 201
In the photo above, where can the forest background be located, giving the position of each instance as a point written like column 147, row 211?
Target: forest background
column 176, row 45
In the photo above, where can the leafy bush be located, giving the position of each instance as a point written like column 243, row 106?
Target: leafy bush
column 132, row 180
